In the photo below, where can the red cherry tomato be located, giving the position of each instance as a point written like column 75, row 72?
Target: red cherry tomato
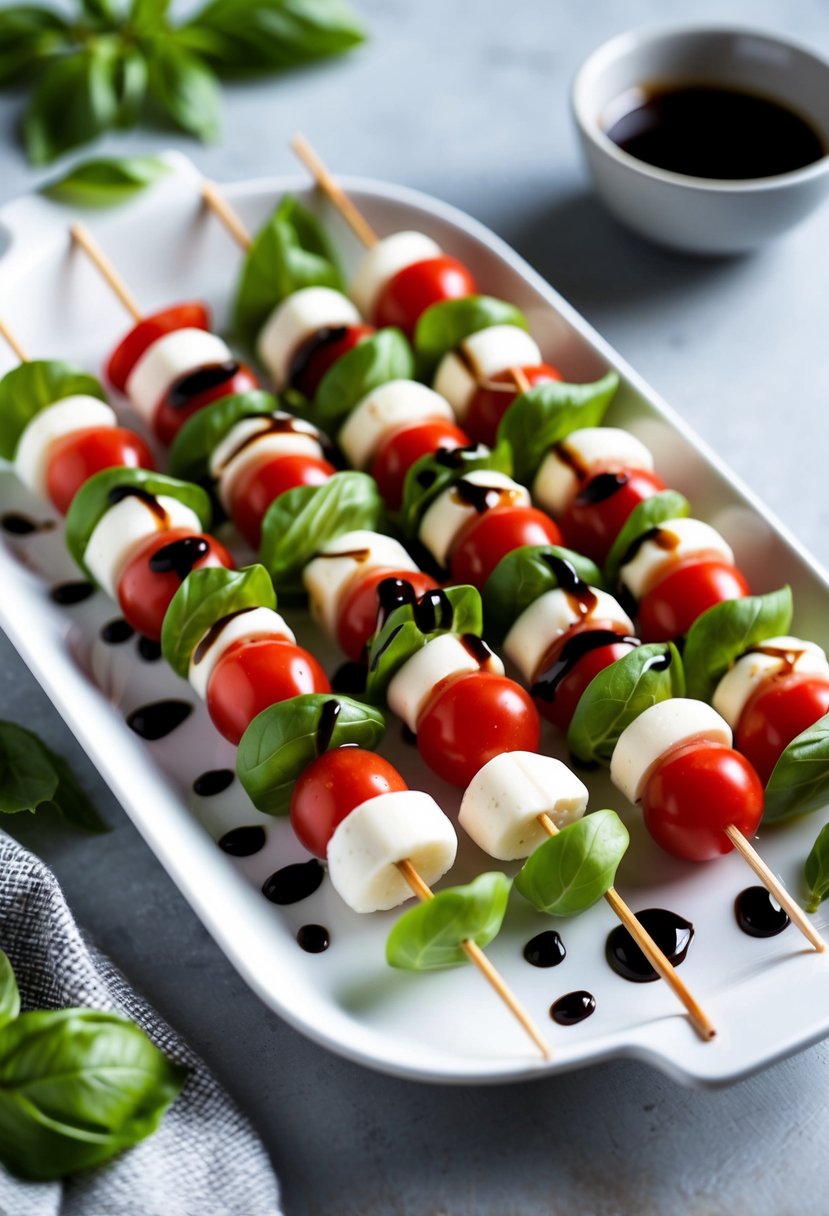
column 695, row 793
column 415, row 288
column 169, row 417
column 568, row 667
column 157, row 569
column 319, row 354
column 332, row 786
column 595, row 517
column 404, row 447
column 255, row 490
column 471, row 718
column 251, row 675
column 74, row 458
column 129, row 350
column 488, row 405
column 358, row 610
column 491, row 536
column 778, row 711
column 670, row 608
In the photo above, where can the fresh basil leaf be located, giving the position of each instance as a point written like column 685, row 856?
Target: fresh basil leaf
column 523, row 576
column 431, row 475
column 816, row 870
column 131, row 79
column 184, row 88
column 75, row 101
column 149, row 16
column 189, row 457
column 619, row 694
column 573, row 869
column 290, row 251
column 28, row 37
column 30, row 388
column 799, row 782
column 285, row 738
column 71, row 800
column 430, row 936
column 299, row 522
column 650, row 513
column 546, row 414
column 205, row 597
column 92, row 501
column 27, row 779
column 100, row 12
column 106, row 181
column 9, row 993
column 443, row 326
column 726, row 631
column 383, row 357
column 76, row 1087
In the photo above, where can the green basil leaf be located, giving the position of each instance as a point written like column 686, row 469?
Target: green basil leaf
column 546, row 414
column 290, row 251
column 100, row 12
column 430, row 936
column 619, row 694
column 28, row 37
column 9, row 993
column 185, row 89
column 75, row 101
column 522, row 577
column 726, row 631
column 77, row 1087
column 650, row 513
column 71, row 800
column 431, row 475
column 442, row 327
column 105, row 181
column 30, row 388
column 572, row 870
column 92, row 501
column 27, row 779
column 799, row 782
column 816, row 870
column 384, row 356
column 131, row 79
column 204, row 598
column 299, row 522
column 149, row 16
column 189, row 457
column 285, row 738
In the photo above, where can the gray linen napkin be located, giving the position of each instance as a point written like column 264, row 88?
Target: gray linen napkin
column 205, row 1159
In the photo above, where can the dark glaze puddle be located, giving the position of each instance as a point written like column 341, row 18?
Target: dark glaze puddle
column 66, row 594
column 293, row 883
column 572, row 1008
column 243, row 842
column 159, row 718
column 545, row 949
column 214, row 781
column 149, row 650
column 313, row 938
column 758, row 914
column 114, row 633
column 17, row 524
column 672, row 933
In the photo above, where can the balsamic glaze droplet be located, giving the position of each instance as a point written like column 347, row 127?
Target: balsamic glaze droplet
column 71, row 593
column 350, row 679
column 200, row 381
column 433, row 610
column 115, row 632
column 214, row 781
column 575, row 648
column 572, row 1008
column 672, row 933
column 328, row 335
column 17, row 524
column 159, row 718
column 243, row 842
column 602, row 486
column 392, row 593
column 149, row 649
column 329, row 714
column 293, row 883
column 119, row 493
column 545, row 949
column 180, row 556
column 313, row 938
column 758, row 914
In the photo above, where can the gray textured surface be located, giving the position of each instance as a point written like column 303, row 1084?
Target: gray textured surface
column 467, row 99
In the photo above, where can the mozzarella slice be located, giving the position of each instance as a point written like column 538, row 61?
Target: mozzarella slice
column 395, row 403
column 254, row 440
column 31, row 457
column 550, row 616
column 501, row 804
column 243, row 626
column 169, row 358
column 294, row 321
column 124, row 527
column 327, row 577
column 442, row 657
column 775, row 655
column 367, row 844
column 571, row 462
column 480, row 357
column 676, row 539
column 450, row 511
column 386, row 259
column 658, row 729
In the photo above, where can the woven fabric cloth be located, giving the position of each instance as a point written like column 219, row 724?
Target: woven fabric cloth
column 205, row 1159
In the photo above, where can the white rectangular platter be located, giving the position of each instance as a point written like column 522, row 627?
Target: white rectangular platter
column 442, row 1026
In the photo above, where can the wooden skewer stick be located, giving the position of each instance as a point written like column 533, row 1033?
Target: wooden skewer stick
column 520, row 377
column 218, row 204
column 331, row 187
column 775, row 887
column 12, row 341
column 657, row 958
column 84, row 238
column 477, row 957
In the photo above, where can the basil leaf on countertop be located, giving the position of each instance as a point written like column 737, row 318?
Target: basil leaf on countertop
column 30, row 388
column 522, row 577
column 29, row 36
column 285, row 738
column 9, row 993
column 71, row 800
column 573, row 869
column 384, row 356
column 205, row 597
column 726, row 631
column 650, row 513
column 443, row 326
column 185, row 89
column 430, row 936
column 33, row 776
column 194, row 444
column 799, row 782
column 546, row 414
column 106, row 181
column 431, row 475
column 619, row 694
column 816, row 870
column 75, row 100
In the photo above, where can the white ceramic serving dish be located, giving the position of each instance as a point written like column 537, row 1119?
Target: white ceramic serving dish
column 445, row 1026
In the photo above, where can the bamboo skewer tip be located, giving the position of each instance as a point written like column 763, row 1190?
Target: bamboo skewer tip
column 221, row 208
column 12, row 342
column 328, row 183
column 82, row 237
column 773, row 885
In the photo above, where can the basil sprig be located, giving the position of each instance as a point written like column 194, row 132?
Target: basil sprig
column 799, row 782
column 726, row 631
column 383, row 357
column 106, row 181
column 431, row 475
column 816, row 870
column 30, row 388
column 443, row 326
column 285, row 738
column 205, row 597
column 522, row 577
column 572, row 870
column 650, row 513
column 430, row 936
column 619, row 694
column 195, row 442
column 33, row 776
column 546, row 414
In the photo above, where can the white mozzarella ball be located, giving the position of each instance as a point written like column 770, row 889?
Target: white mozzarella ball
column 414, row 683
column 31, row 457
column 166, row 360
column 450, row 512
column 249, row 444
column 353, row 554
column 243, row 626
column 395, row 403
column 775, row 655
column 386, row 259
column 125, row 526
column 658, row 729
column 366, row 846
column 676, row 539
column 294, row 321
column 481, row 356
column 548, row 618
column 571, row 462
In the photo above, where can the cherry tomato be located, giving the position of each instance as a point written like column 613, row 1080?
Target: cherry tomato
column 415, row 288
column 253, row 674
column 358, row 610
column 490, row 536
column 471, row 718
column 170, row 416
column 695, row 793
column 255, row 490
column 74, row 458
column 594, row 518
column 778, row 711
column 332, row 786
column 404, row 447
column 129, row 350
column 567, row 668
column 670, row 608
column 488, row 405
column 157, row 569
column 319, row 354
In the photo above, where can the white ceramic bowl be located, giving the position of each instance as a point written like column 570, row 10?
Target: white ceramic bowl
column 696, row 214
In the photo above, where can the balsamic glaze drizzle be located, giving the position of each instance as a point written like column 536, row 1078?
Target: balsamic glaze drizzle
column 115, row 632
column 179, row 556
column 672, row 933
column 200, row 381
column 71, row 593
column 293, row 883
column 159, row 718
column 572, row 1008
column 314, row 939
column 546, row 949
column 149, row 649
column 758, row 914
column 244, row 841
column 17, row 524
column 213, row 781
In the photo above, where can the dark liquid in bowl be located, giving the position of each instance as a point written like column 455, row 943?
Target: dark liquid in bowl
column 703, row 131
